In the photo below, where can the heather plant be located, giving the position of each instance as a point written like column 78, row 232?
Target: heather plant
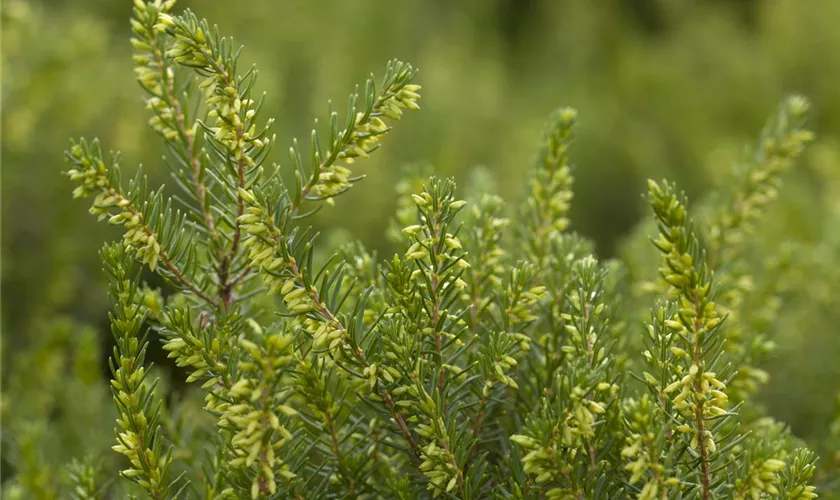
column 493, row 356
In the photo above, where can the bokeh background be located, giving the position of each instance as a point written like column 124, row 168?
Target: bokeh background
column 664, row 89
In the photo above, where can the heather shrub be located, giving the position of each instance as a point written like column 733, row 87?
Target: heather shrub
column 493, row 356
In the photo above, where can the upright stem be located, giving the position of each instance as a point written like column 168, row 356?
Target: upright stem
column 225, row 283
column 185, row 132
column 436, row 307
column 191, row 154
column 699, row 411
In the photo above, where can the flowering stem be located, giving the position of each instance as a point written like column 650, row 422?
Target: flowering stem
column 699, row 410
column 162, row 255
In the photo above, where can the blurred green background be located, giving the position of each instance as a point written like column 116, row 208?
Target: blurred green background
column 664, row 88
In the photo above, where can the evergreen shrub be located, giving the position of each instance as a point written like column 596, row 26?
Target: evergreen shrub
column 494, row 356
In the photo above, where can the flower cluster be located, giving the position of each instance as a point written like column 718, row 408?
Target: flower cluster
column 520, row 298
column 556, row 439
column 270, row 254
column 793, row 483
column 202, row 349
column 413, row 179
column 90, row 172
column 645, row 442
column 440, row 468
column 762, row 479
column 255, row 411
column 153, row 71
column 227, row 95
column 93, row 176
column 360, row 136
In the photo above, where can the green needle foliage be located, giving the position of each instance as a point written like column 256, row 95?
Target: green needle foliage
column 493, row 356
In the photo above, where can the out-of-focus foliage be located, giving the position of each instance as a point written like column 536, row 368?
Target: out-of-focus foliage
column 664, row 89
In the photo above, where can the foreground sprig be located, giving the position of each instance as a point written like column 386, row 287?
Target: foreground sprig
column 697, row 396
column 154, row 231
column 139, row 438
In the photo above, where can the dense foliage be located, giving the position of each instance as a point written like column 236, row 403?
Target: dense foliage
column 493, row 355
